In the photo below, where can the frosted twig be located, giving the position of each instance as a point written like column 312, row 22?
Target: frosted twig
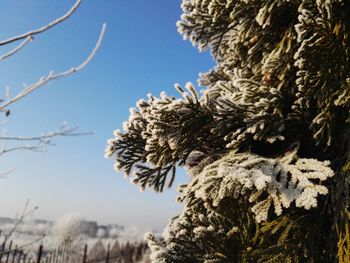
column 3, row 144
column 16, row 49
column 68, row 132
column 4, row 174
column 4, row 122
column 42, row 140
column 36, row 148
column 31, row 33
column 20, row 219
column 52, row 76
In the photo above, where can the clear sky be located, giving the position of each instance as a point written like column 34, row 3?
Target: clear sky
column 142, row 52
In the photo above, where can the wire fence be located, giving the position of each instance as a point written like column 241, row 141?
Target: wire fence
column 69, row 252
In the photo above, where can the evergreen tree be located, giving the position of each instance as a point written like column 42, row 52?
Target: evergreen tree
column 266, row 143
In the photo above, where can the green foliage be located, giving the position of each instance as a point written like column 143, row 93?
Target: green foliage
column 281, row 86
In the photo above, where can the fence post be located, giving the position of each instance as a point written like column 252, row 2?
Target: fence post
column 2, row 249
column 65, row 250
column 40, row 253
column 57, row 255
column 19, row 256
column 85, row 253
column 107, row 255
column 53, row 256
column 14, row 255
column 8, row 253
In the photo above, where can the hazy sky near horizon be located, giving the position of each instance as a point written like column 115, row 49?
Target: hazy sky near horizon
column 141, row 53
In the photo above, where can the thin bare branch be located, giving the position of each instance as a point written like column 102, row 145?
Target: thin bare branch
column 88, row 59
column 31, row 33
column 4, row 122
column 69, row 132
column 42, row 140
column 25, row 213
column 52, row 76
column 5, row 174
column 35, row 148
column 16, row 49
column 3, row 144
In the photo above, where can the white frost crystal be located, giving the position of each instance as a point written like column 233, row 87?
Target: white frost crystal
column 268, row 182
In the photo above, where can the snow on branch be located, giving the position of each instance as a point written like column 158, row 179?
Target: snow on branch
column 267, row 182
column 159, row 135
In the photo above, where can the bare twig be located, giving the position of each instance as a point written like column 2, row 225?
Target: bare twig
column 45, row 139
column 52, row 76
column 4, row 122
column 20, row 219
column 44, row 28
column 4, row 174
column 68, row 132
column 3, row 144
column 35, row 148
column 16, row 49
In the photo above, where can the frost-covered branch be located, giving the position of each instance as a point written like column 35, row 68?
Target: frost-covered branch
column 4, row 174
column 267, row 182
column 48, row 136
column 17, row 48
column 25, row 213
column 54, row 76
column 35, row 148
column 42, row 140
column 282, row 78
column 30, row 34
column 159, row 134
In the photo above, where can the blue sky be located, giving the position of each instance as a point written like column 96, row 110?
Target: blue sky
column 142, row 52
